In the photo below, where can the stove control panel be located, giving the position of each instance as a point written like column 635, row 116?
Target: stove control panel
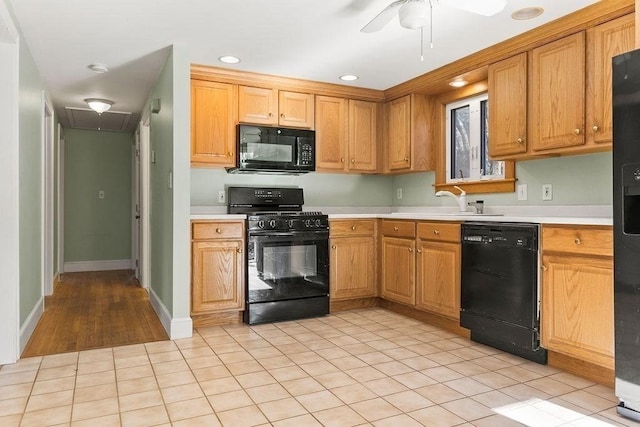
column 299, row 221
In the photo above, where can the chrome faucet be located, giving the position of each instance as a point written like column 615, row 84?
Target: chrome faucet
column 479, row 205
column 461, row 199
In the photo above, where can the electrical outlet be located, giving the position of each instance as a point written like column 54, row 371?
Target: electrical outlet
column 547, row 192
column 522, row 191
column 399, row 193
column 101, row 194
column 222, row 197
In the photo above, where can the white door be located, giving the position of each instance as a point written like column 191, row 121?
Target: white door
column 137, row 208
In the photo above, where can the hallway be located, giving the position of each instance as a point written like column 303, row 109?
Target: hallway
column 92, row 310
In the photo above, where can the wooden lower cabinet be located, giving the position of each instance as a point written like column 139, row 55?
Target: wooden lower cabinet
column 352, row 264
column 577, row 293
column 438, row 272
column 398, row 270
column 217, row 270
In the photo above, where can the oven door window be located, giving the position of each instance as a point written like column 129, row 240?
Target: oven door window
column 289, row 267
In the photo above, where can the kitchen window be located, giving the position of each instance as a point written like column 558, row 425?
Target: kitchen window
column 467, row 137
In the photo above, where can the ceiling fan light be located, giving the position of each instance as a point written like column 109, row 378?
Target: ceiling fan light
column 484, row 7
column 414, row 14
column 99, row 105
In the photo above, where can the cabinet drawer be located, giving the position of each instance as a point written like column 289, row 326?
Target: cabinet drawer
column 578, row 240
column 351, row 228
column 217, row 230
column 440, row 231
column 399, row 228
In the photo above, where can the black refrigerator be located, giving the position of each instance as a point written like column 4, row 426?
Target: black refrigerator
column 626, row 230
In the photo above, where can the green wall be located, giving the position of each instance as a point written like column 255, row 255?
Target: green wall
column 31, row 90
column 97, row 229
column 577, row 180
column 320, row 189
column 161, row 212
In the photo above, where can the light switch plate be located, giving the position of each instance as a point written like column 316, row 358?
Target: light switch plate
column 399, row 193
column 522, row 191
column 547, row 192
column 101, row 194
column 222, row 197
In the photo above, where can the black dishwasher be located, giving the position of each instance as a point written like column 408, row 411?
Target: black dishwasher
column 499, row 287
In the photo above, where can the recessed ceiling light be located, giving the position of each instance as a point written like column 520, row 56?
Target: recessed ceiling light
column 229, row 59
column 458, row 83
column 349, row 77
column 527, row 13
column 98, row 68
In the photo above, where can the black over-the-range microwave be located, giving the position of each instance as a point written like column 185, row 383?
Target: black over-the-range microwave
column 263, row 149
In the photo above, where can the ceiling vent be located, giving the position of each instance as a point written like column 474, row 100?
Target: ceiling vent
column 85, row 118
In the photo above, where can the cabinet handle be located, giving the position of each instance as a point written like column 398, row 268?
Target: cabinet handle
column 410, row 249
column 406, row 159
column 229, row 154
column 219, row 230
column 395, row 228
column 333, row 246
column 577, row 131
column 282, row 116
column 577, row 241
column 270, row 114
column 595, row 128
column 353, row 228
column 520, row 140
column 342, row 160
column 436, row 231
column 419, row 251
column 544, row 267
column 353, row 160
column 239, row 250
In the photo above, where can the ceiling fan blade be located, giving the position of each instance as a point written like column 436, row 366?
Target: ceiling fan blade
column 484, row 7
column 383, row 18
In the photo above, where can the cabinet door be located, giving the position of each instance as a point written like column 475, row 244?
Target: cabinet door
column 398, row 270
column 353, row 272
column 296, row 109
column 257, row 105
column 331, row 133
column 577, row 307
column 438, row 278
column 213, row 123
column 218, row 276
column 603, row 43
column 363, row 145
column 508, row 106
column 556, row 115
column 399, row 133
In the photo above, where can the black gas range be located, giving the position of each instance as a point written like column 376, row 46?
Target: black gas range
column 287, row 261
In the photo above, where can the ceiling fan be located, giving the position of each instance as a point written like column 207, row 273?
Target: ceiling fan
column 413, row 14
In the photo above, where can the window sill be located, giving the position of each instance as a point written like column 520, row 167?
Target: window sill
column 478, row 187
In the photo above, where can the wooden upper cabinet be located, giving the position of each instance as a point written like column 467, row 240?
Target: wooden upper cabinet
column 266, row 106
column 257, row 105
column 213, row 123
column 603, row 43
column 508, row 106
column 346, row 135
column 363, row 141
column 409, row 131
column 296, row 109
column 557, row 94
column 331, row 133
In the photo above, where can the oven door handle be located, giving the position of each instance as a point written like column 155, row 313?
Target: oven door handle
column 313, row 235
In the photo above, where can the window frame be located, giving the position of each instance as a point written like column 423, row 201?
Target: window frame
column 505, row 185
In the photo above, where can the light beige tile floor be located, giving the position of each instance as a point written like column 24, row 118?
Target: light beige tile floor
column 361, row 367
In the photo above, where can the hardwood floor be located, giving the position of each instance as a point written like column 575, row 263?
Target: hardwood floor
column 93, row 310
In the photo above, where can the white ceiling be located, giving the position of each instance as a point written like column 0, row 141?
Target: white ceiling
column 310, row 39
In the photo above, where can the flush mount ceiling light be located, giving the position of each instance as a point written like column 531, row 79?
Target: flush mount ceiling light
column 527, row 13
column 229, row 59
column 98, row 68
column 349, row 77
column 459, row 82
column 99, row 105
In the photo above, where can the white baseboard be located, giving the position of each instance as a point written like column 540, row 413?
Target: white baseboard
column 175, row 328
column 117, row 264
column 26, row 330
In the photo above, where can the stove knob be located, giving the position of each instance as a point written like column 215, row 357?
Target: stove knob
column 307, row 223
column 318, row 222
column 272, row 223
column 261, row 224
column 291, row 222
